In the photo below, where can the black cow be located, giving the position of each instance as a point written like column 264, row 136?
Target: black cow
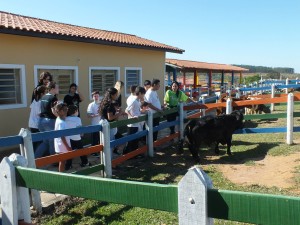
column 212, row 130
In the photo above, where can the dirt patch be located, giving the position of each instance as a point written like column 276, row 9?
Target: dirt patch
column 271, row 171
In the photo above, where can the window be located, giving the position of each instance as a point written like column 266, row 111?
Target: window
column 62, row 75
column 102, row 78
column 133, row 76
column 12, row 86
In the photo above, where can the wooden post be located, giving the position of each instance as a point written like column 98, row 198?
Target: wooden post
column 28, row 153
column 106, row 148
column 290, row 119
column 272, row 96
column 149, row 127
column 192, row 198
column 229, row 106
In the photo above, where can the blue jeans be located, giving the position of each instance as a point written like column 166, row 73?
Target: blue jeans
column 47, row 146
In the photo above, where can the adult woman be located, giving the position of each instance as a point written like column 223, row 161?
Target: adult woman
column 73, row 97
column 47, row 119
column 45, row 78
column 172, row 98
column 108, row 111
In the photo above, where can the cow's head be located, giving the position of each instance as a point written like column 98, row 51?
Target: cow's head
column 239, row 119
column 266, row 109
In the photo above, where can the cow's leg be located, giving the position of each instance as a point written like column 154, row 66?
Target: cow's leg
column 217, row 151
column 180, row 147
column 228, row 142
column 193, row 149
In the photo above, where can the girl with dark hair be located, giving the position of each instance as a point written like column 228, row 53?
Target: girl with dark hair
column 172, row 98
column 35, row 110
column 45, row 78
column 119, row 86
column 47, row 119
column 108, row 111
column 73, row 97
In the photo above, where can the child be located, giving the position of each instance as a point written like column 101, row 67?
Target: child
column 60, row 144
column 35, row 111
column 134, row 110
column 92, row 112
column 74, row 121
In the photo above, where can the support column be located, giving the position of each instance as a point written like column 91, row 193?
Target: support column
column 232, row 80
column 222, row 83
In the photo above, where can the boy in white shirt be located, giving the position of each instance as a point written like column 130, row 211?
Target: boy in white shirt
column 61, row 144
column 134, row 110
column 92, row 112
column 151, row 97
column 74, row 121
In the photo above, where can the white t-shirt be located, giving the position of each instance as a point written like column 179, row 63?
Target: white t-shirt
column 58, row 144
column 35, row 110
column 152, row 97
column 130, row 99
column 134, row 108
column 93, row 109
column 73, row 122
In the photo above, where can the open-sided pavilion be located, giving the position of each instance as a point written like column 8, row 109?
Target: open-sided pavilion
column 175, row 66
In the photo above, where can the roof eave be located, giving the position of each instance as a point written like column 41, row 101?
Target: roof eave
column 83, row 39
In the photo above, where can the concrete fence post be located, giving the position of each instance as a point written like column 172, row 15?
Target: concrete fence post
column 272, row 96
column 203, row 110
column 181, row 121
column 14, row 200
column 192, row 202
column 287, row 82
column 106, row 148
column 27, row 151
column 149, row 127
column 229, row 106
column 290, row 119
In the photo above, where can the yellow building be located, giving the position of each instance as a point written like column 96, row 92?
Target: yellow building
column 92, row 58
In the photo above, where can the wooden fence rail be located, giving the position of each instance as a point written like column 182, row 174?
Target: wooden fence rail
column 222, row 204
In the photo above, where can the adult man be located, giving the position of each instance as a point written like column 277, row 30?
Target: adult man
column 154, row 105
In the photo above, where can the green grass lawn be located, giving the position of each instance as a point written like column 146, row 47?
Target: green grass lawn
column 168, row 168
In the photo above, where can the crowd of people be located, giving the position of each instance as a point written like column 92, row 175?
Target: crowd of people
column 48, row 113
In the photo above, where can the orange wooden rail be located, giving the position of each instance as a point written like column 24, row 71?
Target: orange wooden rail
column 165, row 139
column 142, row 150
column 129, row 155
column 68, row 155
column 281, row 99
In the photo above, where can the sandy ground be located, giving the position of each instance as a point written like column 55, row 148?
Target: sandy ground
column 271, row 171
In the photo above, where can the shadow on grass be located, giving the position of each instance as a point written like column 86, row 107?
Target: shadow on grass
column 167, row 167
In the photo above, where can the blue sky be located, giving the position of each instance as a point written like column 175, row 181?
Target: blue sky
column 252, row 32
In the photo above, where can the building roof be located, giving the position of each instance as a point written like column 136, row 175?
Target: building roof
column 192, row 65
column 29, row 26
